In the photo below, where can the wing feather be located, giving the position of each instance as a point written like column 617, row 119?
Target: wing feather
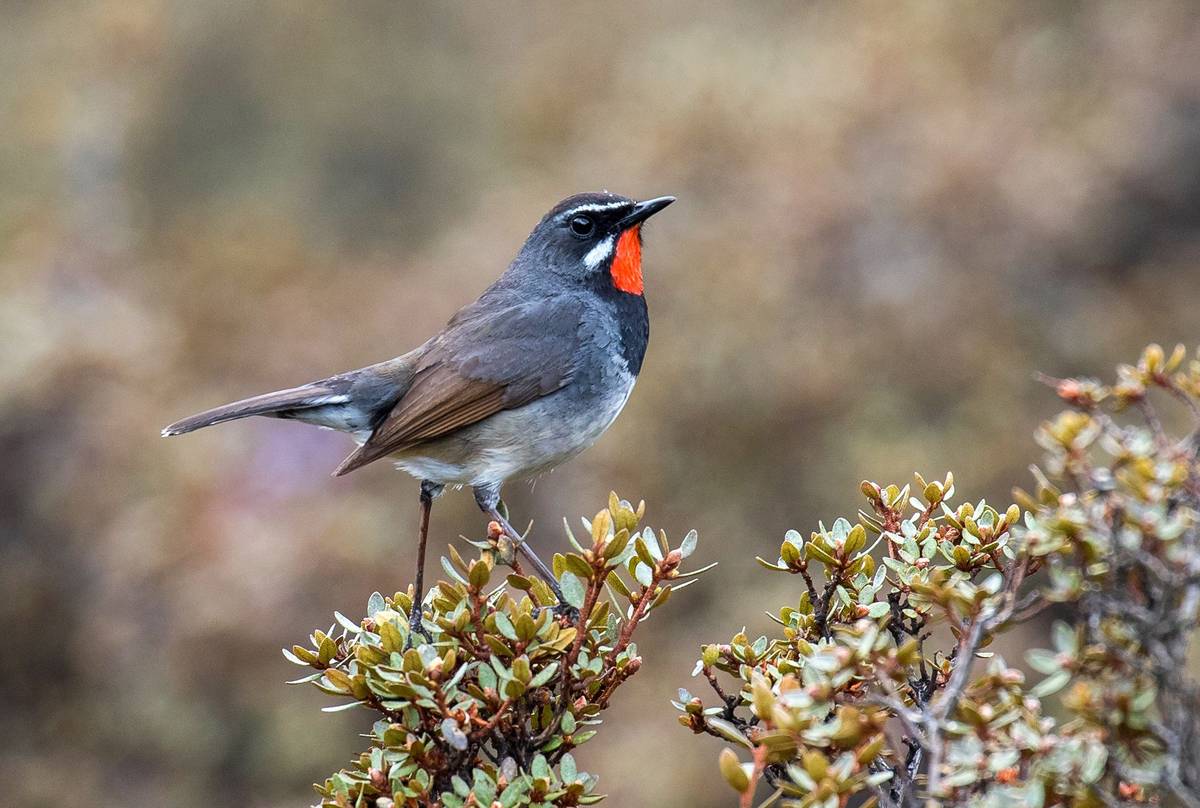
column 489, row 359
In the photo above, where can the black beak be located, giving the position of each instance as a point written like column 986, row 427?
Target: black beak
column 644, row 210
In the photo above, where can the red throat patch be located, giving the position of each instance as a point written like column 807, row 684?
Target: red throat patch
column 627, row 263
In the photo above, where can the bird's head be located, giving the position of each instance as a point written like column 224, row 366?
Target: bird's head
column 593, row 239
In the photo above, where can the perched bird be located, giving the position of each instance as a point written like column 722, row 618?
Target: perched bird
column 524, row 378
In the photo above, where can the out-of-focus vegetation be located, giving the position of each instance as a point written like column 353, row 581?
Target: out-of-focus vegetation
column 482, row 702
column 861, row 697
column 889, row 213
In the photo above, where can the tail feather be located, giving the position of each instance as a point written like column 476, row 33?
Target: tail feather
column 281, row 401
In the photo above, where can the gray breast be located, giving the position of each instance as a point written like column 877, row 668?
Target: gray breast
column 534, row 438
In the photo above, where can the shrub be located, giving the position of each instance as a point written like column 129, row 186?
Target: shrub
column 869, row 687
column 484, row 705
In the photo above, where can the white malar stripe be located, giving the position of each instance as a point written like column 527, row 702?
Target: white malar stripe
column 597, row 254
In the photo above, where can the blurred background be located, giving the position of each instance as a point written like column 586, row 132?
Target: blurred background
column 890, row 215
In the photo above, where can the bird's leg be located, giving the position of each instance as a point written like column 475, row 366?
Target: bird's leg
column 488, row 500
column 429, row 490
column 563, row 608
column 523, row 547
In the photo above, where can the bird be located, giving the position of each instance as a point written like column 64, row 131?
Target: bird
column 519, row 381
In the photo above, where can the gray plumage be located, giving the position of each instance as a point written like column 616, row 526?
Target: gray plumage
column 527, row 376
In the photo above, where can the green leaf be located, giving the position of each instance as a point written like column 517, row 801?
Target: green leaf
column 520, row 582
column 375, row 604
column 453, row 573
column 484, row 788
column 571, row 536
column 1042, row 661
column 1064, row 636
column 727, row 731
column 688, row 545
column 733, row 771
column 1094, row 761
column 1143, row 700
column 616, row 545
column 815, row 551
column 1052, row 684
column 573, row 589
column 479, row 574
column 576, row 564
column 505, row 626
column 514, row 794
column 877, row 610
column 543, row 676
column 614, row 580
column 567, row 768
column 643, row 551
column 347, row 623
column 327, row 650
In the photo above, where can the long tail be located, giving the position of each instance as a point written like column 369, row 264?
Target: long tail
column 279, row 403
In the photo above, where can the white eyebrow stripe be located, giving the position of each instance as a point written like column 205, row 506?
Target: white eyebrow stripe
column 599, row 207
column 598, row 253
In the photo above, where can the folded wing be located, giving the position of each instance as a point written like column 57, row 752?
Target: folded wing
column 490, row 358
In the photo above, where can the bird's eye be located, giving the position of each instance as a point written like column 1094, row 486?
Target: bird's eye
column 582, row 226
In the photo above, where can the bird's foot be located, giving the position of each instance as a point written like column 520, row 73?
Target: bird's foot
column 562, row 610
column 415, row 627
column 500, row 525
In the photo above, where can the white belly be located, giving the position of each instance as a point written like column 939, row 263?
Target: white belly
column 519, row 443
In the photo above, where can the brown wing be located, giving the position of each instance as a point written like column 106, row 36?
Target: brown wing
column 487, row 360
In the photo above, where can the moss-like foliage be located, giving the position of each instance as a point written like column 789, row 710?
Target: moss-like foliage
column 870, row 688
column 483, row 705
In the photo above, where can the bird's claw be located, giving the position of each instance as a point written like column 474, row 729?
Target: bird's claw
column 416, row 627
column 563, row 609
